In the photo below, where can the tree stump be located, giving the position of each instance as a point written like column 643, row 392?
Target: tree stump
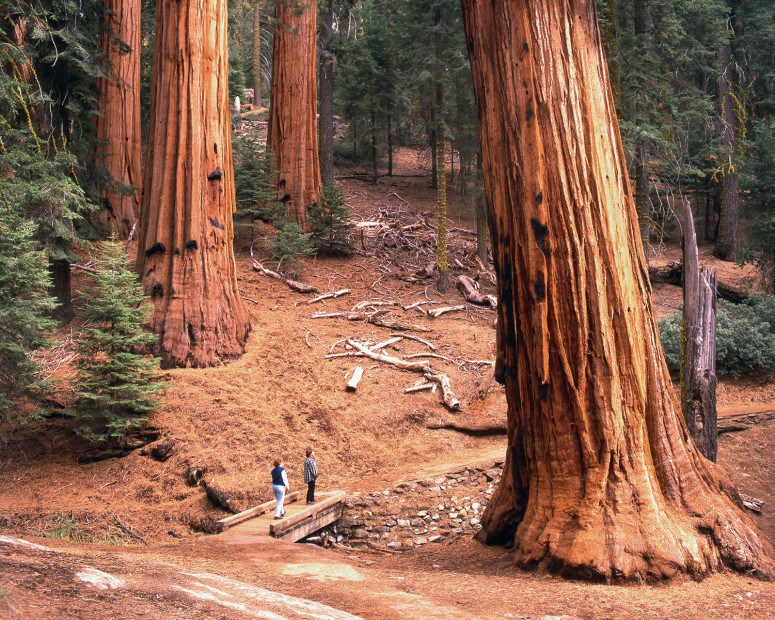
column 698, row 344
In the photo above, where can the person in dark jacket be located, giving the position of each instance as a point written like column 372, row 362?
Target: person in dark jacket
column 310, row 475
column 280, row 487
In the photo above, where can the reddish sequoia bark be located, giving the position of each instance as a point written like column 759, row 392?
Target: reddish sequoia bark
column 185, row 255
column 293, row 134
column 118, row 126
column 601, row 479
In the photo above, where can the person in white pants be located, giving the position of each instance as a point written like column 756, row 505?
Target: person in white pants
column 280, row 487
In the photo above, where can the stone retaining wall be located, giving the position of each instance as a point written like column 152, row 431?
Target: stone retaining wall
column 418, row 512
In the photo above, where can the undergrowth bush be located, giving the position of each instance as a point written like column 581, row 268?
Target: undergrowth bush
column 745, row 337
column 330, row 222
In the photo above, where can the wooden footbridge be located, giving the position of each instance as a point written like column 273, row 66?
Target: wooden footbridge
column 300, row 519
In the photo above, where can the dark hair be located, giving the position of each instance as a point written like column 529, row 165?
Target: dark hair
column 309, row 451
column 278, row 462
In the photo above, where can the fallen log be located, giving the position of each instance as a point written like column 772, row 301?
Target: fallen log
column 326, row 315
column 373, row 304
column 467, row 286
column 293, row 284
column 300, row 287
column 743, row 421
column 219, row 497
column 434, row 355
column 352, row 384
column 421, row 274
column 420, row 388
column 333, row 295
column 447, row 395
column 381, row 357
column 391, row 324
column 266, row 272
column 416, row 339
column 672, row 273
column 437, row 312
column 473, row 431
column 129, row 531
column 751, row 503
column 386, row 343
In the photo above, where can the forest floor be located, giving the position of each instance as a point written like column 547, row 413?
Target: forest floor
column 127, row 537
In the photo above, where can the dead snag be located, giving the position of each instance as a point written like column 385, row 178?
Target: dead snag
column 698, row 333
column 468, row 287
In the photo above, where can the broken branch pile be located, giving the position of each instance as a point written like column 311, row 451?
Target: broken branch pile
column 431, row 375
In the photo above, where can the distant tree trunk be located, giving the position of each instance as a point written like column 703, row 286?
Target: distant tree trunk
column 19, row 37
column 390, row 144
column 642, row 205
column 374, row 169
column 726, row 244
column 326, row 61
column 698, row 344
column 257, row 54
column 118, row 125
column 610, row 38
column 293, row 133
column 434, row 154
column 61, row 289
column 481, row 215
column 185, row 256
column 441, row 202
column 601, row 479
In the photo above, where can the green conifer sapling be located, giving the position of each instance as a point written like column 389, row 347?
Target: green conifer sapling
column 117, row 387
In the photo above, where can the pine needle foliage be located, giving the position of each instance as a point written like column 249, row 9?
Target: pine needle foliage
column 24, row 304
column 116, row 387
column 331, row 222
column 288, row 245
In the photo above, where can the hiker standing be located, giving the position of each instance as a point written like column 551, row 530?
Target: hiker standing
column 310, row 475
column 280, row 487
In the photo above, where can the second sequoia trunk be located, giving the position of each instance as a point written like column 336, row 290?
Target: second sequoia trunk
column 293, row 133
column 118, row 126
column 185, row 256
column 601, row 479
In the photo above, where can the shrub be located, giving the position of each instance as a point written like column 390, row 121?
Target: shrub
column 288, row 245
column 745, row 337
column 116, row 387
column 330, row 222
column 254, row 182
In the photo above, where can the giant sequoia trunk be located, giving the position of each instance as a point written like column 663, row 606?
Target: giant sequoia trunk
column 118, row 126
column 293, row 134
column 185, row 255
column 601, row 477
